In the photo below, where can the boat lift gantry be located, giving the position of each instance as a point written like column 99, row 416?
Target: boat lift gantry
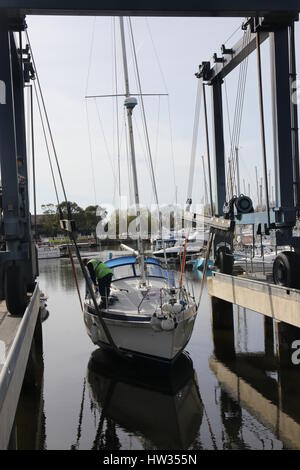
column 18, row 267
column 282, row 219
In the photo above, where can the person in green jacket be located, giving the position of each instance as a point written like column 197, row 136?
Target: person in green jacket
column 101, row 276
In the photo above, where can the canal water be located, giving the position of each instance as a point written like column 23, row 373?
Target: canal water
column 225, row 392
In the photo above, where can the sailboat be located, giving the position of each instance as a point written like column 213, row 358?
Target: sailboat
column 196, row 241
column 147, row 314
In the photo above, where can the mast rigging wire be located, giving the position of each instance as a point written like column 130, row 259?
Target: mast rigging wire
column 90, row 55
column 143, row 115
column 157, row 134
column 168, row 101
column 105, row 142
column 86, row 108
column 91, row 151
column 240, row 110
column 160, row 224
column 46, row 143
column 47, row 120
column 235, row 134
column 117, row 105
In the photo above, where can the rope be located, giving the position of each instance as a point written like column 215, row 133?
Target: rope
column 235, row 134
column 236, row 122
column 75, row 276
column 46, row 143
column 232, row 34
column 242, row 96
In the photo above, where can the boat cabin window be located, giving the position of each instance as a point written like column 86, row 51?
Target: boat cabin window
column 133, row 270
column 123, row 271
column 154, row 270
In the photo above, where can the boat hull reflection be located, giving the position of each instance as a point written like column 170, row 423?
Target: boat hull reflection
column 162, row 407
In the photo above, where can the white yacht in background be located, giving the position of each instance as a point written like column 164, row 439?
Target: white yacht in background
column 196, row 241
column 47, row 251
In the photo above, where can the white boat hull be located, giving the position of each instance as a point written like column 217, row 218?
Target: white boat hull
column 139, row 337
column 48, row 252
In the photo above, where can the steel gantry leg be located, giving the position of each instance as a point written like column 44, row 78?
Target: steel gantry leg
column 17, row 271
column 294, row 116
column 282, row 129
column 30, row 263
column 286, row 269
column 219, row 153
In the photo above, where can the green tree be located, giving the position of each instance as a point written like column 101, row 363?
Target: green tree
column 77, row 213
column 49, row 223
column 91, row 218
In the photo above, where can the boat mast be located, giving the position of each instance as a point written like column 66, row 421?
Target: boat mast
column 130, row 103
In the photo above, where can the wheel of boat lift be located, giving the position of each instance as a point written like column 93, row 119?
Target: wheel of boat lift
column 224, row 260
column 15, row 290
column 286, row 270
column 243, row 204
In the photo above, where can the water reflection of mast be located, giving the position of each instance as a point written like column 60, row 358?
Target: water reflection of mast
column 79, row 427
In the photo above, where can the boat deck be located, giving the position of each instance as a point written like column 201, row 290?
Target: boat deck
column 129, row 303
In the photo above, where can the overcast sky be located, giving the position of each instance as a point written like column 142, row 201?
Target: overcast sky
column 75, row 57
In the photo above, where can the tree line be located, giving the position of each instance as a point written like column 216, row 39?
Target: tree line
column 86, row 220
column 48, row 222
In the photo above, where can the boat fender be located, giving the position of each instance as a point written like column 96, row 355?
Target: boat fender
column 177, row 308
column 167, row 308
column 155, row 323
column 168, row 324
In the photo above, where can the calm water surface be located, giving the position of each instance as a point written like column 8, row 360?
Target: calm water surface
column 226, row 393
